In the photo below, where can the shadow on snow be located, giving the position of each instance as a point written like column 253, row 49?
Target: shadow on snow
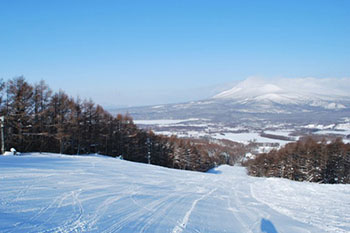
column 267, row 226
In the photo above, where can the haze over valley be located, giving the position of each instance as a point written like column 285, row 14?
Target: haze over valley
column 258, row 110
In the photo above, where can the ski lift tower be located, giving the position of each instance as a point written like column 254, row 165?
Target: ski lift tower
column 2, row 121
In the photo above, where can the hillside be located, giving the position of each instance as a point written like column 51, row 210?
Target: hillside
column 59, row 193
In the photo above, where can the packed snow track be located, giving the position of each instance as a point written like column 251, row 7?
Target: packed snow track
column 58, row 193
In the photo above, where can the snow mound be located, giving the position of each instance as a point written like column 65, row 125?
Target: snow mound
column 11, row 152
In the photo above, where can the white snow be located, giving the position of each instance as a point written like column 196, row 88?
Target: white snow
column 343, row 126
column 11, row 152
column 284, row 133
column 57, row 193
column 335, row 106
column 183, row 133
column 163, row 121
column 331, row 217
column 257, row 89
column 158, row 106
column 248, row 137
column 341, row 132
column 325, row 93
column 319, row 126
column 249, row 155
column 8, row 153
column 340, row 129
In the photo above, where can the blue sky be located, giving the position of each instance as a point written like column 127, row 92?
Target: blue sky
column 149, row 52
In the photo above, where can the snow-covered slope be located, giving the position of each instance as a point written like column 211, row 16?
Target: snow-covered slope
column 55, row 193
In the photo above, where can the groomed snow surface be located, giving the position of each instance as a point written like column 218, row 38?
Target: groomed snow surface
column 57, row 193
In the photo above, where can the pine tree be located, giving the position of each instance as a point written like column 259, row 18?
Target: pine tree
column 60, row 110
column 41, row 99
column 19, row 112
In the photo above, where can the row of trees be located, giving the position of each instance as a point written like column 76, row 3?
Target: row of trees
column 198, row 154
column 37, row 119
column 305, row 160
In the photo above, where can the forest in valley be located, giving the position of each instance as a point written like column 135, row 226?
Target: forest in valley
column 36, row 119
column 305, row 160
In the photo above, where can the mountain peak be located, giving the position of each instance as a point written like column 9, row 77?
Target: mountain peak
column 306, row 91
column 253, row 88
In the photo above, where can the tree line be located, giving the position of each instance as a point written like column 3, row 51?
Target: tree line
column 38, row 119
column 305, row 160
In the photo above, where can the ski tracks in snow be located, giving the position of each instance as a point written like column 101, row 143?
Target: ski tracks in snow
column 140, row 217
column 74, row 223
column 181, row 226
column 119, row 196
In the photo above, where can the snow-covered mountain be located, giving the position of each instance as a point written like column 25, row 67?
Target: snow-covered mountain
column 303, row 100
column 307, row 91
column 58, row 193
column 246, row 111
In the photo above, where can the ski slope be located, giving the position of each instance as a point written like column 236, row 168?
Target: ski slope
column 58, row 193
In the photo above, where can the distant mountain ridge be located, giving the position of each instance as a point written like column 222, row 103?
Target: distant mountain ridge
column 286, row 92
column 254, row 100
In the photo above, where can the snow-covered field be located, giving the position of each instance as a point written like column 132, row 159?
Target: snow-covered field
column 57, row 193
column 266, row 134
column 208, row 129
column 163, row 122
column 249, row 137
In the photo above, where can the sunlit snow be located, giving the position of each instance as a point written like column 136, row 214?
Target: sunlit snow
column 248, row 137
column 57, row 193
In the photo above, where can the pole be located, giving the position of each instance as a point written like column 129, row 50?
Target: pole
column 2, row 118
column 148, row 150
